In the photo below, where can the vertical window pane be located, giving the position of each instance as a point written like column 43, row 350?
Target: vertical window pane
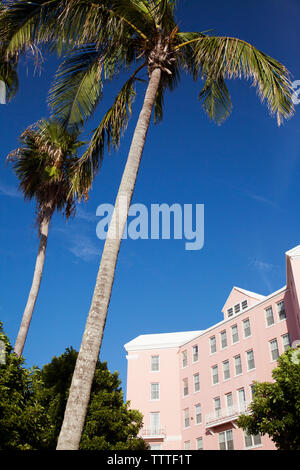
column 248, row 440
column 196, row 383
column 198, row 414
column 217, row 407
column 155, row 363
column 238, row 365
column 223, row 339
column 155, row 391
column 247, row 329
column 257, row 439
column 187, row 445
column 237, row 308
column 244, row 304
column 195, row 353
column 230, row 312
column 199, row 443
column 274, row 349
column 222, row 443
column 229, row 402
column 250, row 360
column 242, row 399
column 215, row 375
column 213, row 346
column 226, row 370
column 235, row 334
column 229, row 438
column 154, row 421
column 286, row 341
column 184, row 358
column 281, row 310
column 185, row 387
column 269, row 316
column 186, row 418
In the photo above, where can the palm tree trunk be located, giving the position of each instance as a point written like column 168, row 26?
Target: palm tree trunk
column 35, row 286
column 79, row 395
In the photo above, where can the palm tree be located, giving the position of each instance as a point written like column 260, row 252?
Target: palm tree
column 8, row 69
column 44, row 166
column 107, row 37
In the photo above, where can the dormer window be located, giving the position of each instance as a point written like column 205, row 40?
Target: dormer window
column 244, row 304
column 237, row 308
column 229, row 312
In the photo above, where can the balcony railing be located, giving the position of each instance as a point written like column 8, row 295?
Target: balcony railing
column 224, row 415
column 153, row 433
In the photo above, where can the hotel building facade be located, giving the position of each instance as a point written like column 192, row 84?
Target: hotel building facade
column 192, row 386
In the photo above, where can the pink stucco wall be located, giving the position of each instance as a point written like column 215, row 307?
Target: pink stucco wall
column 172, row 402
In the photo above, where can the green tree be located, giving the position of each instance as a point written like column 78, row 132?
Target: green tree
column 44, row 166
column 8, row 68
column 23, row 420
column 275, row 409
column 110, row 424
column 107, row 37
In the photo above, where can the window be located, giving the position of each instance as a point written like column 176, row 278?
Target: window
column 223, row 339
column 184, row 358
column 229, row 402
column 154, row 391
column 281, row 310
column 237, row 308
column 244, row 304
column 269, row 316
column 247, row 329
column 195, row 353
column 235, row 334
column 226, row 370
column 155, row 446
column 154, row 363
column 198, row 414
column 185, row 387
column 215, row 374
column 274, row 349
column 229, row 312
column 213, row 345
column 250, row 360
column 238, row 365
column 199, row 443
column 252, row 440
column 242, row 399
column 217, row 407
column 226, row 440
column 286, row 341
column 186, row 416
column 187, row 445
column 196, row 383
column 154, row 422
column 252, row 387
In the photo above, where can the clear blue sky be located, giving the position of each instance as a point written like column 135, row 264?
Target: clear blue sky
column 246, row 172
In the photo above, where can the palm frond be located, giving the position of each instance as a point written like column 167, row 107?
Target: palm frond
column 78, row 86
column 216, row 99
column 225, row 57
column 107, row 135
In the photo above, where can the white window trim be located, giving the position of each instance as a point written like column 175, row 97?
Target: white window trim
column 155, row 399
column 158, row 370
column 253, row 368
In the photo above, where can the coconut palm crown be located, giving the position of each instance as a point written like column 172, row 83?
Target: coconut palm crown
column 107, row 36
column 44, row 165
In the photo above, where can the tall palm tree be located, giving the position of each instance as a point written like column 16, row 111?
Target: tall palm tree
column 44, row 165
column 8, row 69
column 107, row 37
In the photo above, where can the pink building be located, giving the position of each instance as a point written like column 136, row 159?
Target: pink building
column 192, row 386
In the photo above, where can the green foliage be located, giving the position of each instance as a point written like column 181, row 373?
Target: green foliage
column 275, row 409
column 104, row 38
column 32, row 405
column 44, row 165
column 23, row 420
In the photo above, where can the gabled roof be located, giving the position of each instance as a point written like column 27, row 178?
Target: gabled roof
column 250, row 294
column 294, row 252
column 162, row 340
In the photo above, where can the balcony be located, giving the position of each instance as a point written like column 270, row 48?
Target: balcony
column 153, row 433
column 225, row 415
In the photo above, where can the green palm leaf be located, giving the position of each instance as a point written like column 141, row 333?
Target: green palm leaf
column 78, row 86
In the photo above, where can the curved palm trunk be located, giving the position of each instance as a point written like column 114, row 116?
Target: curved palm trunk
column 79, row 395
column 37, row 277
